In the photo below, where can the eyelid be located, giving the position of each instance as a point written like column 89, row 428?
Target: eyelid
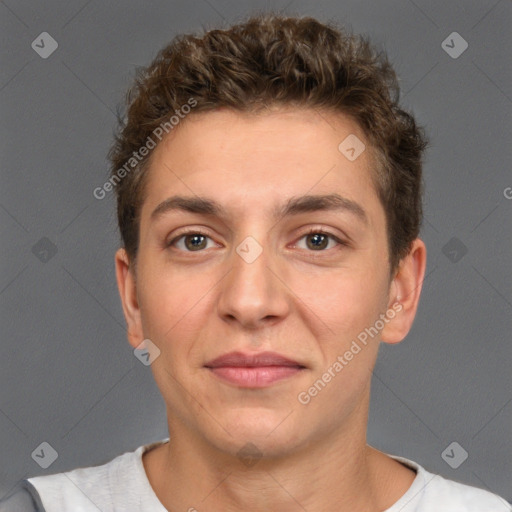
column 340, row 240
column 314, row 230
column 185, row 232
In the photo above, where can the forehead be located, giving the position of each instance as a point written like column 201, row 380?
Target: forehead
column 260, row 159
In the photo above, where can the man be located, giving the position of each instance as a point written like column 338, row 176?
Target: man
column 269, row 202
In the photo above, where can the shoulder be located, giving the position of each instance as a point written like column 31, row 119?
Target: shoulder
column 467, row 498
column 434, row 493
column 24, row 498
column 82, row 486
column 121, row 481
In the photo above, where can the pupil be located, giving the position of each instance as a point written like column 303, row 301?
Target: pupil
column 318, row 237
column 193, row 242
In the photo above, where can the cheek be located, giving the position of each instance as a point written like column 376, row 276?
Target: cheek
column 343, row 301
column 171, row 303
column 349, row 306
column 174, row 311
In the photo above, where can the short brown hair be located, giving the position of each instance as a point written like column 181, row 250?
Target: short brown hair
column 271, row 60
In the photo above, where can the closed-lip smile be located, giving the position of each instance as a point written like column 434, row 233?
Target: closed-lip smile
column 253, row 370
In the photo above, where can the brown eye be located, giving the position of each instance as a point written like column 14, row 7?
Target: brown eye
column 319, row 241
column 195, row 242
column 191, row 242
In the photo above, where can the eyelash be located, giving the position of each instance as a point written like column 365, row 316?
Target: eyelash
column 312, row 231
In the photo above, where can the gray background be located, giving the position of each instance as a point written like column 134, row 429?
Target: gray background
column 68, row 376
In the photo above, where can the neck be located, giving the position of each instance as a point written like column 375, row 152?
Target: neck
column 337, row 473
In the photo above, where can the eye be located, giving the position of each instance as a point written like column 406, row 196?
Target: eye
column 191, row 241
column 315, row 240
column 318, row 240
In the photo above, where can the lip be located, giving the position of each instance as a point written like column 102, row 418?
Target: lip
column 253, row 370
column 239, row 359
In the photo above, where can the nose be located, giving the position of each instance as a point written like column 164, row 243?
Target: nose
column 253, row 293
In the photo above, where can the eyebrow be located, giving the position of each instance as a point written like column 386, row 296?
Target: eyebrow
column 294, row 206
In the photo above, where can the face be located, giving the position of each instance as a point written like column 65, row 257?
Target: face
column 277, row 245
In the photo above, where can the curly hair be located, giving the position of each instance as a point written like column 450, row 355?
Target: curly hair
column 272, row 60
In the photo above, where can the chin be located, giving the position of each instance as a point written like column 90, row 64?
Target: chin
column 261, row 431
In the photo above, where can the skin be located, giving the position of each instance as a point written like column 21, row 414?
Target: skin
column 305, row 303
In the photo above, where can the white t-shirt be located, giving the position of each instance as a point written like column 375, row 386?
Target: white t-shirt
column 122, row 485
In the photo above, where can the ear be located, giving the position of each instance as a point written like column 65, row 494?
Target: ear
column 126, row 284
column 404, row 294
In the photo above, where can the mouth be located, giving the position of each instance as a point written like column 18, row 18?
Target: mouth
column 253, row 370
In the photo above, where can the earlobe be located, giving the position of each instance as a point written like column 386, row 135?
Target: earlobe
column 405, row 293
column 128, row 293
